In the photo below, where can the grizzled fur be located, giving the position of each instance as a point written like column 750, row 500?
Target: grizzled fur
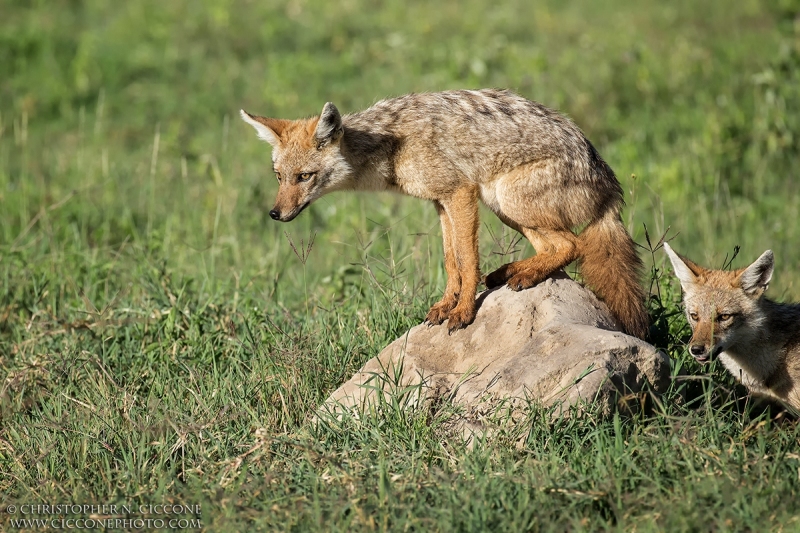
column 530, row 165
column 757, row 340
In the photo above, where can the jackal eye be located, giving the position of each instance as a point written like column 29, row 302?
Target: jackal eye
column 724, row 317
column 694, row 317
column 305, row 176
column 277, row 175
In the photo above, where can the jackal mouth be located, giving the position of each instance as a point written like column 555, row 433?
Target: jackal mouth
column 293, row 215
column 709, row 355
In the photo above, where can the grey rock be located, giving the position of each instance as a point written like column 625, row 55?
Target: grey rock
column 555, row 344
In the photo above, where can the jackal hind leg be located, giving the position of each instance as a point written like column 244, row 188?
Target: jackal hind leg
column 441, row 310
column 543, row 200
column 554, row 249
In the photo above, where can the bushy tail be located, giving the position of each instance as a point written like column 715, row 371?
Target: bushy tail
column 612, row 268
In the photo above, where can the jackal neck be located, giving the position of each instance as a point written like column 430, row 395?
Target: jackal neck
column 773, row 348
column 369, row 149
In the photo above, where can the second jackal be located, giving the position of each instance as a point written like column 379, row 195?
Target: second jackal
column 530, row 165
column 757, row 340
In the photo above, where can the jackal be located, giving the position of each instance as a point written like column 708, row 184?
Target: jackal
column 757, row 340
column 530, row 165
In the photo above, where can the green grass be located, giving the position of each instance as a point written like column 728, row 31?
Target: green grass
column 161, row 341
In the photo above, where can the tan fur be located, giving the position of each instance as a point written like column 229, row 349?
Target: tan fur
column 757, row 340
column 530, row 165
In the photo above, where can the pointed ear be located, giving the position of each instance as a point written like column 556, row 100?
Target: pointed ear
column 329, row 127
column 686, row 271
column 268, row 129
column 755, row 279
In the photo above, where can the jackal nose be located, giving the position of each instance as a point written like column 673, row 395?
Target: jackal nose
column 697, row 350
column 275, row 215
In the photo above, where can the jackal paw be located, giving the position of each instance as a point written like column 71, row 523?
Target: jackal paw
column 460, row 317
column 498, row 278
column 440, row 311
column 523, row 280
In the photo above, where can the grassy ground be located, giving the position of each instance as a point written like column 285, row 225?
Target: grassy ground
column 161, row 340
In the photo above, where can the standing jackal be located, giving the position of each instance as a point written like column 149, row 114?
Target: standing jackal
column 757, row 340
column 530, row 165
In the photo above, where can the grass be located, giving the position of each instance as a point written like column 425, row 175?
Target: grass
column 161, row 340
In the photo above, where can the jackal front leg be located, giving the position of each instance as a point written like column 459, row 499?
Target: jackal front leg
column 461, row 211
column 441, row 310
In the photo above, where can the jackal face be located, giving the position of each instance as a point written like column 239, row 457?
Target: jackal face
column 722, row 306
column 306, row 158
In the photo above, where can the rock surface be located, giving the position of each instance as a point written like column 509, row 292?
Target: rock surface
column 555, row 343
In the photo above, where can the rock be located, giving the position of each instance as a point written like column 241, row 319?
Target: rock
column 555, row 344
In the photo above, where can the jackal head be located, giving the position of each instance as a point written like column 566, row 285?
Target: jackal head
column 306, row 158
column 722, row 306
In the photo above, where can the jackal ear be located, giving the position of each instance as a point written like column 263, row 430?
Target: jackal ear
column 329, row 127
column 685, row 270
column 754, row 280
column 268, row 129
